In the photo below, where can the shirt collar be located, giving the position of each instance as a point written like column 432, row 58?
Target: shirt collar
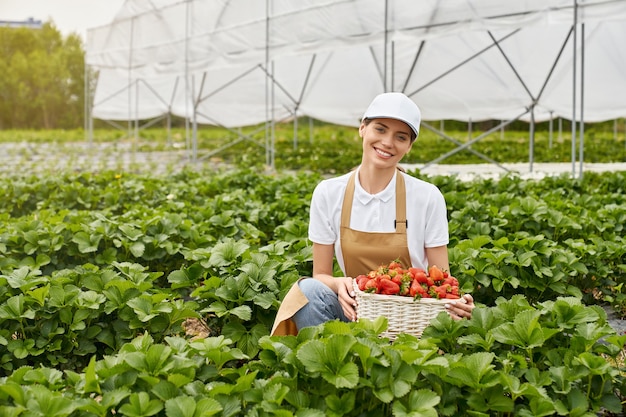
column 385, row 195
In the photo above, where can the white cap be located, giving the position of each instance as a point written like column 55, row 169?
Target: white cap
column 395, row 106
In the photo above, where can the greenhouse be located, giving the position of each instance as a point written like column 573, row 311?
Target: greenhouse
column 238, row 63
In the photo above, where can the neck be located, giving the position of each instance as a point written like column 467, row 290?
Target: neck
column 374, row 180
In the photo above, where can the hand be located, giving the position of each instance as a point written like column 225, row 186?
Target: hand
column 345, row 293
column 461, row 308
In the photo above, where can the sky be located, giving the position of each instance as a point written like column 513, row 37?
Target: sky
column 69, row 16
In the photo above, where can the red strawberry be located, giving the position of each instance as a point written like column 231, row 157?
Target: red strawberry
column 388, row 287
column 371, row 286
column 435, row 273
column 361, row 280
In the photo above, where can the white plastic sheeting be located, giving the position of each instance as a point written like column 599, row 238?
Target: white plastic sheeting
column 242, row 62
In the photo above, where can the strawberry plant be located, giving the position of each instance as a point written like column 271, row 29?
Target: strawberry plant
column 99, row 273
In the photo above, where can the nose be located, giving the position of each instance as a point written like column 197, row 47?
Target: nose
column 386, row 140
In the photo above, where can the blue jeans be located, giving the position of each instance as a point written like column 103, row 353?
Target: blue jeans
column 323, row 305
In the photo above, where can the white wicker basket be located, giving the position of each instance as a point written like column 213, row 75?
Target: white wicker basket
column 404, row 314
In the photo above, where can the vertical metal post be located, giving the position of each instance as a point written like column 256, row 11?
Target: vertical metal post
column 130, row 73
column 550, row 129
column 295, row 130
column 531, row 151
column 574, row 90
column 385, row 38
column 581, row 143
column 188, row 138
column 85, row 93
column 194, row 126
column 269, row 92
column 136, row 121
column 169, row 127
column 273, row 124
column 267, row 88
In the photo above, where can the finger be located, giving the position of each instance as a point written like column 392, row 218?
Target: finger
column 454, row 316
column 349, row 309
column 350, row 313
column 458, row 310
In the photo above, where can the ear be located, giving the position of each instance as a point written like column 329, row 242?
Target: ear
column 362, row 129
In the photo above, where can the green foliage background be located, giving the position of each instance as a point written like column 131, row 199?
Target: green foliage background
column 42, row 82
column 100, row 271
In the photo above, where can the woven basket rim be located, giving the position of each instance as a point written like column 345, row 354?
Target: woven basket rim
column 404, row 314
column 398, row 298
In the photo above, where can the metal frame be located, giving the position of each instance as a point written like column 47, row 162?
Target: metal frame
column 385, row 68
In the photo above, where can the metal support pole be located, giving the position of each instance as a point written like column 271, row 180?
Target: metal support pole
column 574, row 90
column 581, row 143
column 295, row 130
column 550, row 129
column 531, row 151
column 194, row 127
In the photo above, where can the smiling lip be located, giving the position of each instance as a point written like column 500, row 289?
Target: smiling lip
column 383, row 153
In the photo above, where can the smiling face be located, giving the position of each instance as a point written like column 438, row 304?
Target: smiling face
column 385, row 142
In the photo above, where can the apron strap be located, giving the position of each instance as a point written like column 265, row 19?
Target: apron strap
column 400, row 222
column 346, row 208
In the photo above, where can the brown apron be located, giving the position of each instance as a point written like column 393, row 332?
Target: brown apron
column 365, row 251
column 362, row 252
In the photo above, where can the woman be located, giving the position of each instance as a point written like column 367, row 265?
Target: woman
column 368, row 218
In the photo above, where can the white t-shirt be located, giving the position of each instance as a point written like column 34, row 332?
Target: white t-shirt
column 427, row 220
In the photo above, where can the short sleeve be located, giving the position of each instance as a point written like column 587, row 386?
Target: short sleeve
column 436, row 233
column 321, row 227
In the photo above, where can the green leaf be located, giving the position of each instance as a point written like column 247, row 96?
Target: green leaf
column 90, row 299
column 490, row 400
column 44, row 402
column 420, row 403
column 341, row 405
column 155, row 361
column 140, row 405
column 91, row 379
column 15, row 391
column 207, row 407
column 113, row 398
column 24, row 278
column 329, row 358
column 86, row 243
column 265, row 300
column 217, row 350
column 185, row 406
column 137, row 249
column 220, row 309
column 16, row 308
column 475, row 371
column 224, row 254
column 525, row 331
column 569, row 312
column 540, row 407
column 186, row 277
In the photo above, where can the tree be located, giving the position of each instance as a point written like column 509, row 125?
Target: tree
column 43, row 78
